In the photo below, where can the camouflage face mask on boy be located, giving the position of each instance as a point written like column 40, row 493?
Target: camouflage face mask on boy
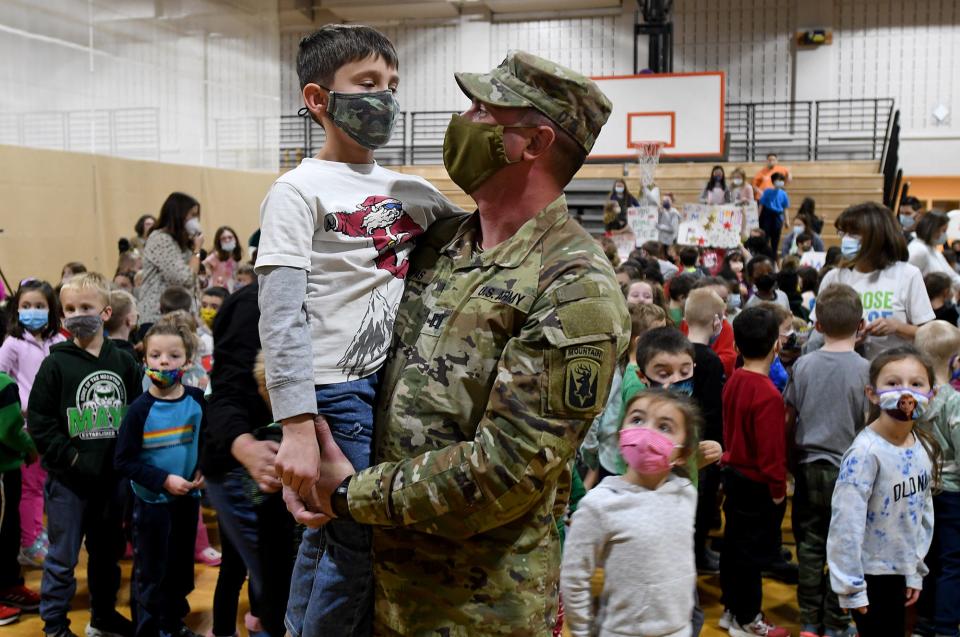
column 368, row 118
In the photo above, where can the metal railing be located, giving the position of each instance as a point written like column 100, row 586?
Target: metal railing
column 121, row 132
column 302, row 137
column 854, row 129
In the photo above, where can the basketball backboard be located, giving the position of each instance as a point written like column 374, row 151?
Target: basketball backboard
column 684, row 111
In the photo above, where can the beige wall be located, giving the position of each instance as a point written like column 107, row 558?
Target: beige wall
column 57, row 207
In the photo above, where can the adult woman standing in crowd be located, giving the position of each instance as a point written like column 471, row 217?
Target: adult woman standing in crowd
column 715, row 192
column 221, row 266
column 924, row 253
column 142, row 227
column 620, row 194
column 171, row 255
column 895, row 301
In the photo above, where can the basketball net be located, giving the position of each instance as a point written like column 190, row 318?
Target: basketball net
column 648, row 156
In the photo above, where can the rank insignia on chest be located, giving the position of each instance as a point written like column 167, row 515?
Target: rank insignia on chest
column 581, row 377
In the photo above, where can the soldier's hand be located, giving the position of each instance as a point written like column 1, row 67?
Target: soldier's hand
column 334, row 468
column 298, row 508
column 298, row 459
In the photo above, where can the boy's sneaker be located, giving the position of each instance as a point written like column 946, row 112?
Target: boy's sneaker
column 35, row 554
column 63, row 632
column 809, row 630
column 112, row 625
column 19, row 597
column 209, row 556
column 8, row 615
column 726, row 619
column 757, row 628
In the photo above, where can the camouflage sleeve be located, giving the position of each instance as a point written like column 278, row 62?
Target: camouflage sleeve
column 552, row 380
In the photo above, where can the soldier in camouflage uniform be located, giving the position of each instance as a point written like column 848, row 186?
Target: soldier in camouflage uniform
column 500, row 360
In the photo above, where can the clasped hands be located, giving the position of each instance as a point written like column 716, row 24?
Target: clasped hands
column 310, row 466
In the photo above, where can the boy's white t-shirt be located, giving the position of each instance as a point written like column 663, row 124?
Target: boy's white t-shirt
column 352, row 228
column 895, row 292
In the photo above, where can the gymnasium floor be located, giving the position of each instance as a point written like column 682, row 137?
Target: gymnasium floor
column 780, row 602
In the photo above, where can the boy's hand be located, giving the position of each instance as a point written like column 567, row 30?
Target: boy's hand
column 298, row 508
column 298, row 459
column 913, row 594
column 198, row 481
column 258, row 458
column 710, row 452
column 177, row 485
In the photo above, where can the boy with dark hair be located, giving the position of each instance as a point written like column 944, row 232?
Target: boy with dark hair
column 76, row 406
column 754, row 475
column 940, row 290
column 761, row 274
column 176, row 298
column 804, row 243
column 690, row 260
column 654, row 250
column 773, row 209
column 826, row 407
column 678, row 289
column 336, row 231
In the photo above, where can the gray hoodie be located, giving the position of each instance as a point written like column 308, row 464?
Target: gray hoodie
column 643, row 540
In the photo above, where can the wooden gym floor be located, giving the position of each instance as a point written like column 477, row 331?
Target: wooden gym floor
column 780, row 601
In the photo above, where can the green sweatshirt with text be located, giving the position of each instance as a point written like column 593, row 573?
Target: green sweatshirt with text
column 76, row 406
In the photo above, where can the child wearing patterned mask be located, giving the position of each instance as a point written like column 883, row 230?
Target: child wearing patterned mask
column 652, row 505
column 882, row 523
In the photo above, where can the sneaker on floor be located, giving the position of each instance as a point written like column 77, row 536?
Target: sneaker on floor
column 19, row 597
column 209, row 556
column 726, row 619
column 33, row 555
column 708, row 564
column 63, row 632
column 786, row 572
column 809, row 630
column 759, row 627
column 113, row 625
column 8, row 615
column 183, row 631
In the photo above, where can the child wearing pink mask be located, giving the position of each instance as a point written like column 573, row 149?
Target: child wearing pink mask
column 638, row 527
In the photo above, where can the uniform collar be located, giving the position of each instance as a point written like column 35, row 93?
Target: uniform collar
column 512, row 252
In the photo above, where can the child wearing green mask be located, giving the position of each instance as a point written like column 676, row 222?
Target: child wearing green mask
column 336, row 234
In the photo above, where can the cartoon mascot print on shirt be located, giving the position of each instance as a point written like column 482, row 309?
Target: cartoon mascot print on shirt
column 383, row 221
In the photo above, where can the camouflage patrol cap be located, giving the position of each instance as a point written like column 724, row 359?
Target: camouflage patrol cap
column 572, row 101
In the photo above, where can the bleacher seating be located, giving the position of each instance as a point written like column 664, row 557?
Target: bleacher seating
column 833, row 184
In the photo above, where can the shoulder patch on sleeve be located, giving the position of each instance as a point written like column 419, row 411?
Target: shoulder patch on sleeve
column 588, row 317
column 576, row 291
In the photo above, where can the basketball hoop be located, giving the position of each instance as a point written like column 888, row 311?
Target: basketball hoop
column 648, row 156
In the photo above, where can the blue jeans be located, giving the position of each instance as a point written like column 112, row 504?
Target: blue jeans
column 331, row 592
column 946, row 607
column 163, row 539
column 71, row 516
column 238, row 518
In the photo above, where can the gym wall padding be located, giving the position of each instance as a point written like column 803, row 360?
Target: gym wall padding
column 58, row 206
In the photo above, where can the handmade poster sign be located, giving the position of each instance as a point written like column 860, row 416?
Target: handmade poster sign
column 626, row 242
column 643, row 221
column 813, row 259
column 751, row 218
column 710, row 226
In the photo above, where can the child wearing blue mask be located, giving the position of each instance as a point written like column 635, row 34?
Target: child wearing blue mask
column 882, row 523
column 32, row 331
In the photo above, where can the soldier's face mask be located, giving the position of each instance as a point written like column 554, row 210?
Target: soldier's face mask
column 368, row 118
column 474, row 151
